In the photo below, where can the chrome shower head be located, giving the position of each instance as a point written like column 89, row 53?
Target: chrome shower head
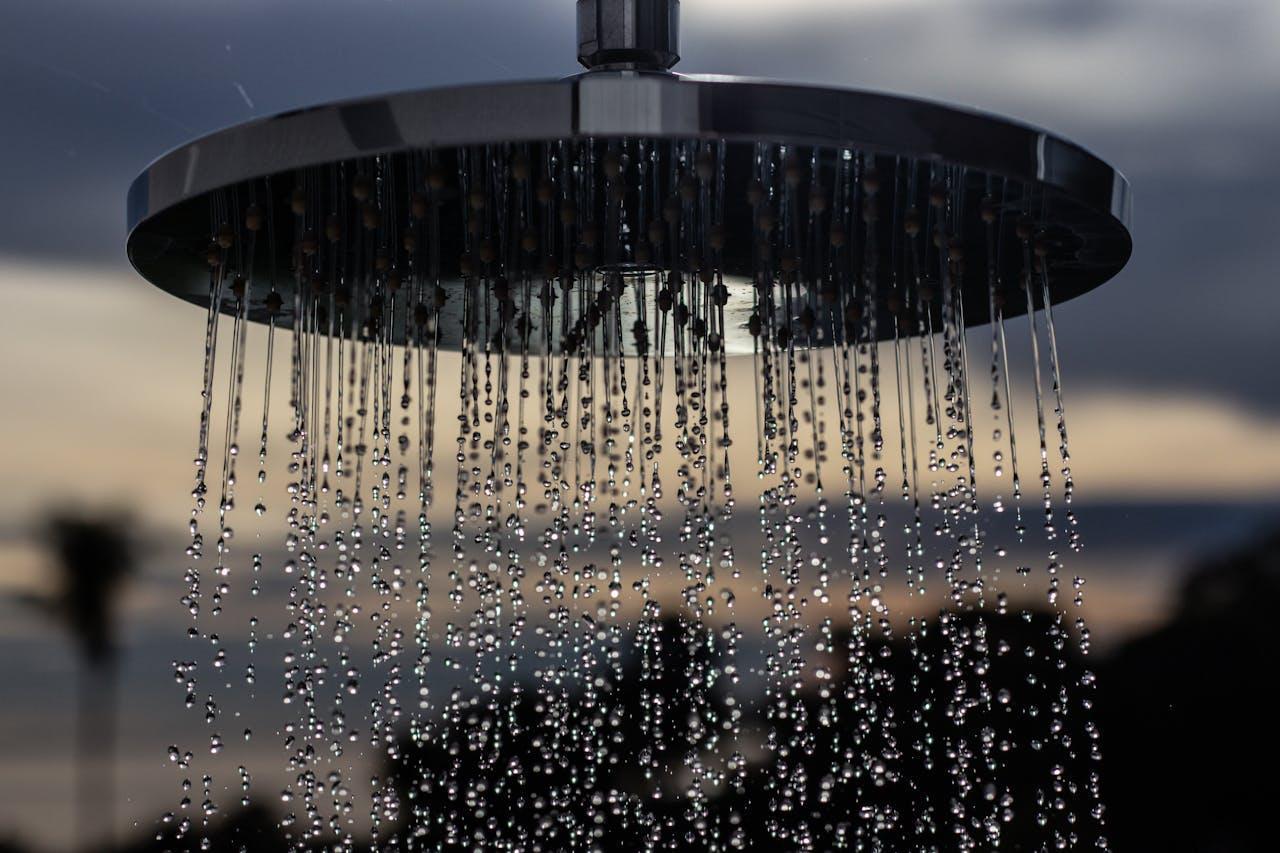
column 630, row 211
column 636, row 181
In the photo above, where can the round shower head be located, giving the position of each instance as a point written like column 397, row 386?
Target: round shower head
column 588, row 527
column 755, row 207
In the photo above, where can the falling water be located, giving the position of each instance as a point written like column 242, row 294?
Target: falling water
column 576, row 649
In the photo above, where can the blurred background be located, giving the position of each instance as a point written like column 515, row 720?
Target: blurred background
column 1170, row 370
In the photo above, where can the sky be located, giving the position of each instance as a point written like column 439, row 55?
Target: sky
column 1175, row 409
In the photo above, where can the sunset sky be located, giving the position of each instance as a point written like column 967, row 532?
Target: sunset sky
column 1169, row 370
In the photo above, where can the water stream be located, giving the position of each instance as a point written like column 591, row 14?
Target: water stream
column 524, row 599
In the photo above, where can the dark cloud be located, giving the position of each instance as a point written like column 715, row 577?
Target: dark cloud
column 103, row 97
column 1071, row 15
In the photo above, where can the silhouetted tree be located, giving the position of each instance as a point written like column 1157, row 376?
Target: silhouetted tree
column 1188, row 715
column 839, row 766
column 254, row 829
column 505, row 769
column 93, row 558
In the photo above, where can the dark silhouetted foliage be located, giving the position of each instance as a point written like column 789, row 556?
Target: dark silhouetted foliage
column 1188, row 713
column 1188, row 761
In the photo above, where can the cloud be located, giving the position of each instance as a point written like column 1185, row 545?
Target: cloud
column 1116, row 62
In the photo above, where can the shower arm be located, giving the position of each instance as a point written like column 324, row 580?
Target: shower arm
column 628, row 35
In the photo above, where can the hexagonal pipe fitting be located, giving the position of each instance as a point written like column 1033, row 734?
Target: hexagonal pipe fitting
column 638, row 35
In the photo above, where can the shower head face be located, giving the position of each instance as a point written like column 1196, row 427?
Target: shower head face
column 591, row 214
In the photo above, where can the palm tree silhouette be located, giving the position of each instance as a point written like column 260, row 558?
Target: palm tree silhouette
column 93, row 557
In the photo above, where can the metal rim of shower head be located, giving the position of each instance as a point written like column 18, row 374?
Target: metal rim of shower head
column 625, row 96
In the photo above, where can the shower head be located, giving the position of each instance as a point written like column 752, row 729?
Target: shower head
column 745, row 208
column 544, row 230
